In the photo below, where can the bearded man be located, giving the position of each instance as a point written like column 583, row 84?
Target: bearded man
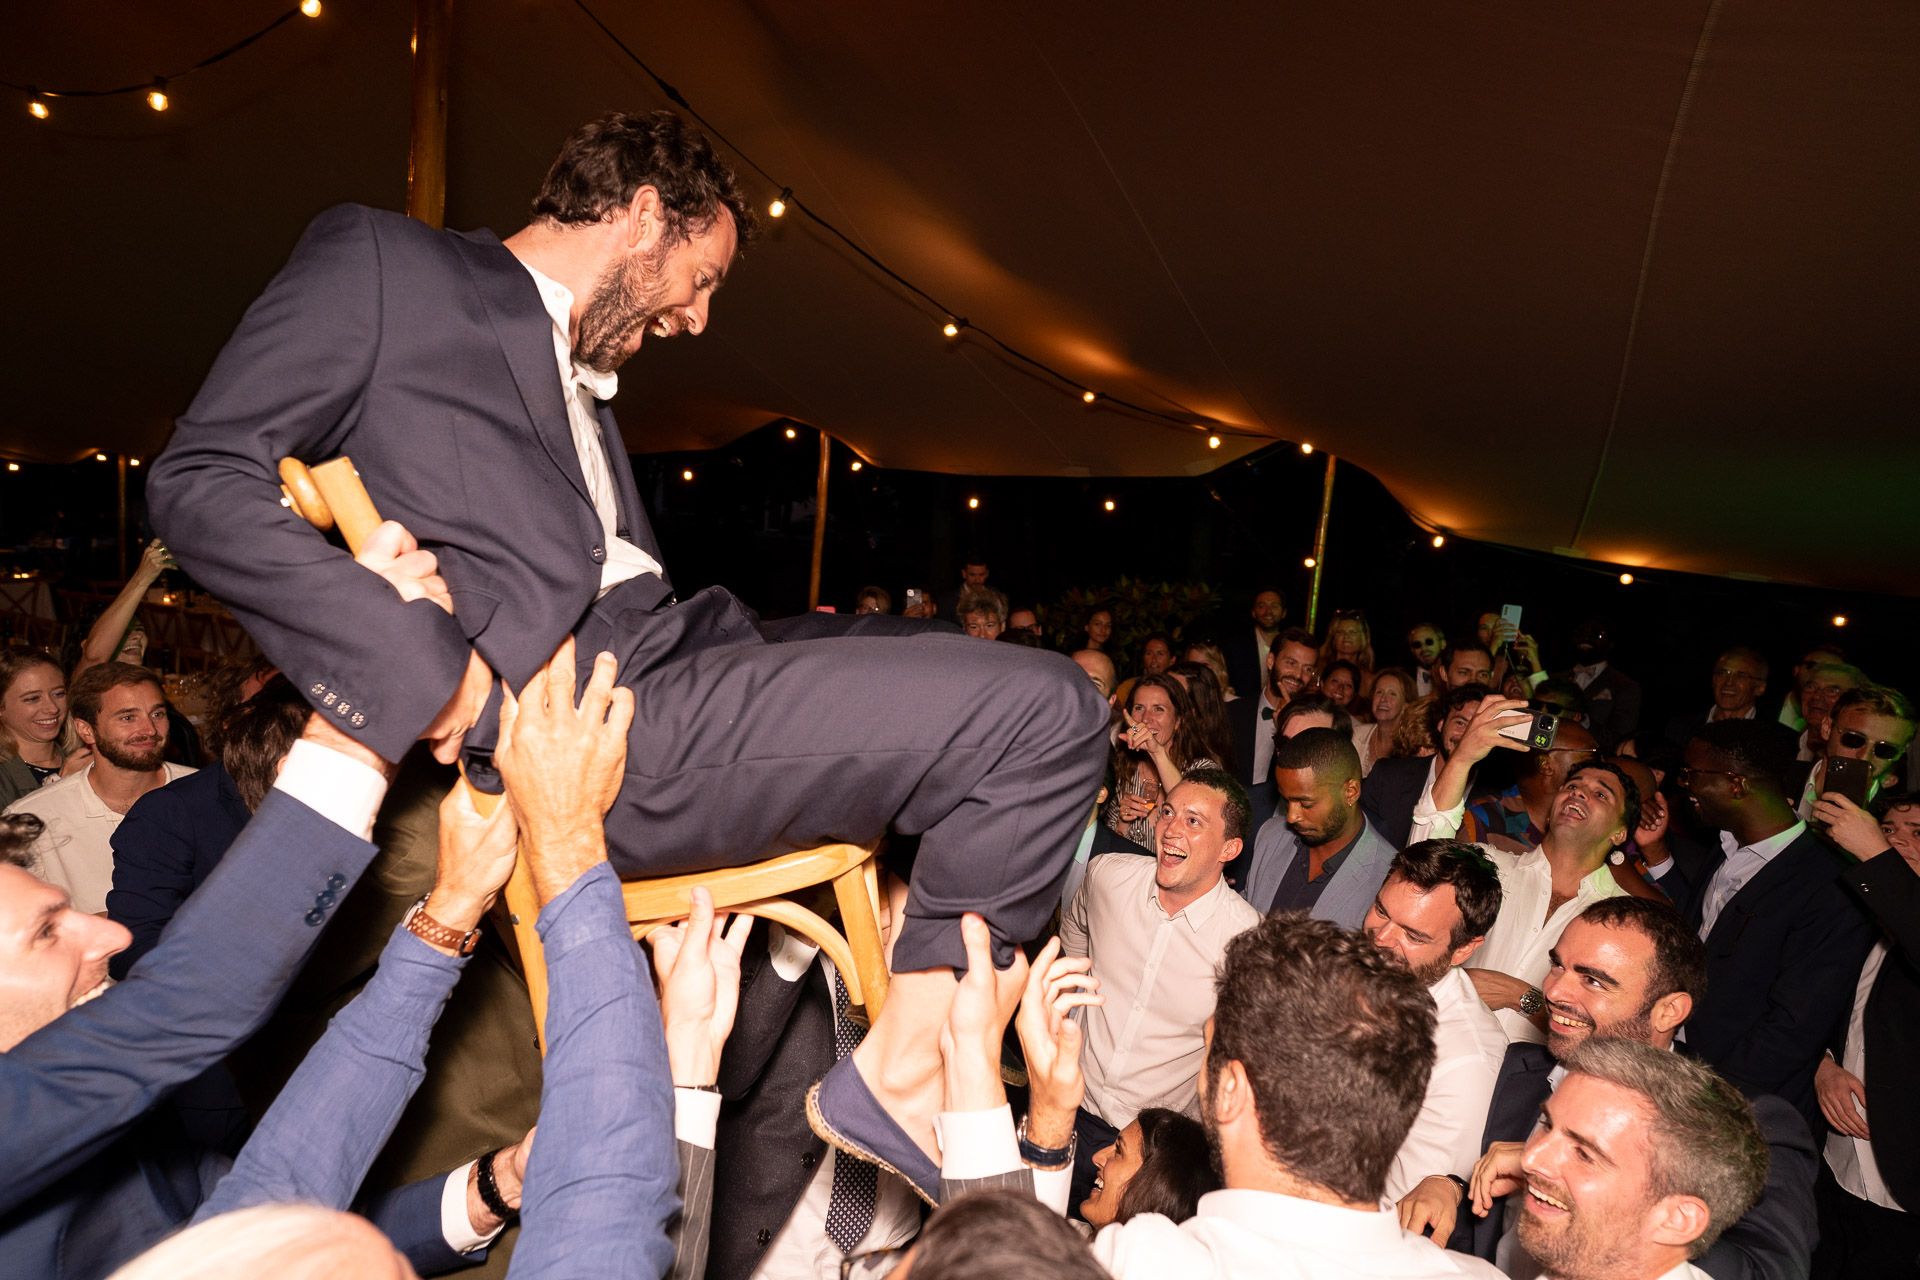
column 120, row 714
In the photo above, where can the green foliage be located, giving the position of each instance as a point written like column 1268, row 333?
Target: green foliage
column 1139, row 609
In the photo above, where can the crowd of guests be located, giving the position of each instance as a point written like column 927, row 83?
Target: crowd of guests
column 1404, row 955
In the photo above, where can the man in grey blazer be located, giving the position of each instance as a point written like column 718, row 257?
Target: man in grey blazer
column 468, row 378
column 1320, row 854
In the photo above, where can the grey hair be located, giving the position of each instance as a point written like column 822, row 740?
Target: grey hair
column 285, row 1241
column 18, row 831
column 1704, row 1140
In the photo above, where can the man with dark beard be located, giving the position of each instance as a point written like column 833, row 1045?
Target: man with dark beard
column 468, row 378
column 120, row 712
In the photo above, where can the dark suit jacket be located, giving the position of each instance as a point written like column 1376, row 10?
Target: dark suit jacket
column 1782, row 962
column 1891, row 892
column 1773, row 1240
column 165, row 848
column 765, row 1153
column 428, row 357
column 1243, row 715
column 1242, row 651
column 89, row 1184
column 1389, row 793
column 1613, row 705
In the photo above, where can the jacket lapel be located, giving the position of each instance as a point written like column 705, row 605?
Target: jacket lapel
column 525, row 333
column 634, row 525
column 1783, row 869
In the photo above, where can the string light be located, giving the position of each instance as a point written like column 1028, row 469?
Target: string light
column 1108, row 504
column 973, row 504
column 37, row 108
column 1213, row 442
column 310, row 7
column 1439, row 540
column 13, row 466
column 1089, row 396
column 1839, row 619
column 953, row 326
column 1309, row 562
column 791, row 433
column 1305, row 447
column 687, row 474
column 133, row 462
column 157, row 96
column 778, row 209
column 99, row 457
column 1626, row 579
column 857, row 464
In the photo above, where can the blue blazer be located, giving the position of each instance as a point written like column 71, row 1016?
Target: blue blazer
column 93, row 1175
column 165, row 848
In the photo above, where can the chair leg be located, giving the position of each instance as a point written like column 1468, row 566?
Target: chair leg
column 523, row 909
column 860, row 921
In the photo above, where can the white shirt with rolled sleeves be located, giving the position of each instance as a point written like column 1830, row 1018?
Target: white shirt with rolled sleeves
column 1469, row 1044
column 74, row 850
column 1143, row 1046
column 1523, row 933
column 1240, row 1235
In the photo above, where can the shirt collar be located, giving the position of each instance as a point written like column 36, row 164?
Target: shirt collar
column 1284, row 1217
column 558, row 301
column 1195, row 913
column 1766, row 850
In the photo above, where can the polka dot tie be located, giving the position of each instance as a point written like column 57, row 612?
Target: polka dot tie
column 850, row 1208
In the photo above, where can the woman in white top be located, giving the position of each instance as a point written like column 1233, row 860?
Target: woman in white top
column 1392, row 691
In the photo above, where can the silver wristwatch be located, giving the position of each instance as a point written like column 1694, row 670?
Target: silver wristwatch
column 1532, row 1001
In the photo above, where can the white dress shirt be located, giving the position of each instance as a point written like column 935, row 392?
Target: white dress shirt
column 1743, row 862
column 1469, row 1044
column 75, row 849
column 1263, row 723
column 1143, row 1046
column 581, row 386
column 1523, row 932
column 1264, row 1234
column 1428, row 822
column 1851, row 1159
column 1585, row 676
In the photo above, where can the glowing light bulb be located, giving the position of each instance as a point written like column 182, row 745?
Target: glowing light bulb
column 1108, row 504
column 1309, row 562
column 1839, row 619
column 310, row 7
column 133, row 462
column 778, row 209
column 687, row 474
column 857, row 464
column 1305, row 447
column 38, row 109
column 157, row 97
column 99, row 457
column 1626, row 579
column 1213, row 442
column 951, row 329
column 13, row 466
column 973, row 504
column 1439, row 540
column 791, row 433
column 1089, row 396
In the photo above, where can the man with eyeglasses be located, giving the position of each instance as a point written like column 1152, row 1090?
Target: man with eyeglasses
column 1784, row 941
column 1739, row 680
column 1820, row 693
column 1874, row 724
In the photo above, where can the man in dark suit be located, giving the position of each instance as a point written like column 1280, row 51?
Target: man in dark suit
column 1254, row 718
column 1625, row 968
column 468, row 380
column 95, row 1175
column 1784, row 940
column 1613, row 696
column 1246, row 648
column 1869, row 1189
column 1390, row 793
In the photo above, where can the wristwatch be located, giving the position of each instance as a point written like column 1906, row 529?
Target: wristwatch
column 1532, row 1002
column 1046, row 1157
column 427, row 929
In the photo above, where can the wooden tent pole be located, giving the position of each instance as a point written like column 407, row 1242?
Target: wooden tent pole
column 819, row 522
column 427, row 150
column 1320, row 545
column 121, row 458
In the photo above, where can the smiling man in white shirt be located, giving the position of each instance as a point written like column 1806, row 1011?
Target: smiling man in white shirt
column 1318, row 1055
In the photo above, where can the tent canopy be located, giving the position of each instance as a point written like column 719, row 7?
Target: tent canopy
column 1639, row 281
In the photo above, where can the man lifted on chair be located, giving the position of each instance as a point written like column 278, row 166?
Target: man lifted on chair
column 468, row 378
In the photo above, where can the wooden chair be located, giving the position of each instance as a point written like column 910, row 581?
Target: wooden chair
column 331, row 494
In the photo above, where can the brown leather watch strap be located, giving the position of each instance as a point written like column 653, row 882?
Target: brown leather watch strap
column 427, row 929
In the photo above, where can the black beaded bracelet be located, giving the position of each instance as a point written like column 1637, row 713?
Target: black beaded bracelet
column 490, row 1190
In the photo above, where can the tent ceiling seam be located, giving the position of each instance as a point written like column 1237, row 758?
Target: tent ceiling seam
column 1680, row 114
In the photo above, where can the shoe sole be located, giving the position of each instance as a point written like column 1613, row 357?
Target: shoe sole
column 823, row 1130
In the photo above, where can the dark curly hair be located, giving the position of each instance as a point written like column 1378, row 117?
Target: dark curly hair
column 607, row 160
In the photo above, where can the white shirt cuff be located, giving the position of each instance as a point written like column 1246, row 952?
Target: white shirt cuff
column 1053, row 1187
column 791, row 954
column 1537, row 679
column 339, row 788
column 977, row 1144
column 454, row 1223
column 696, row 1116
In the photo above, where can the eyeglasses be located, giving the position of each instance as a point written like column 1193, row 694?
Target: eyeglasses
column 1853, row 740
column 1687, row 776
column 1730, row 673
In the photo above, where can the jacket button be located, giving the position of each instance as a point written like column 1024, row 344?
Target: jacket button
column 359, row 721
column 336, row 881
column 315, row 916
column 317, row 689
column 325, row 899
column 762, row 1237
column 598, row 555
column 808, row 1160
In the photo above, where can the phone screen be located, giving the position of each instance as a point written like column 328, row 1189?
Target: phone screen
column 1848, row 777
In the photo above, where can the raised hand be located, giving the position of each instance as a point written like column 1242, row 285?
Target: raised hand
column 414, row 572
column 983, row 1003
column 1497, row 1174
column 697, row 964
column 1050, row 1037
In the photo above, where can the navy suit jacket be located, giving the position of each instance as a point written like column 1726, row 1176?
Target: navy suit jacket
column 1243, row 715
column 1773, row 1240
column 1389, row 793
column 1782, row 962
column 90, row 1181
column 1891, row 892
column 428, row 357
column 165, row 848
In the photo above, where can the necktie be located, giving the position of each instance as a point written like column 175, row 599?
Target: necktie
column 1266, row 711
column 850, row 1207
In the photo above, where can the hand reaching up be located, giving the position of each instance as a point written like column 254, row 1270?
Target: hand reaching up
column 697, row 964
